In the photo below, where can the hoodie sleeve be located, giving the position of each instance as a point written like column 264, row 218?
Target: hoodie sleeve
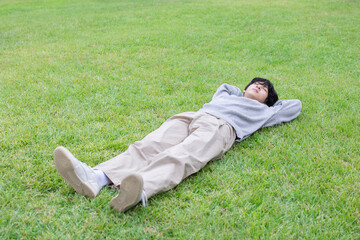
column 227, row 89
column 285, row 111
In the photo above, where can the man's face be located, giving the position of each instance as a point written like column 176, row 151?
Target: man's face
column 257, row 91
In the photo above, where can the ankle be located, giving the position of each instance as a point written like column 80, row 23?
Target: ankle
column 102, row 179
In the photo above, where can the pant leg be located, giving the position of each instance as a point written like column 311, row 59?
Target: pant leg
column 139, row 155
column 209, row 138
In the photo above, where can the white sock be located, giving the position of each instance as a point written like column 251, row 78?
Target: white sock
column 143, row 198
column 103, row 180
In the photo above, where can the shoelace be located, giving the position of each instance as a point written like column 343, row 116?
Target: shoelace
column 144, row 198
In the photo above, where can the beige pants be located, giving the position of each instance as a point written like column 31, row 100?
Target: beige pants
column 182, row 145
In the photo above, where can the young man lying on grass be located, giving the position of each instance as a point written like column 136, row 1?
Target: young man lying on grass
column 181, row 146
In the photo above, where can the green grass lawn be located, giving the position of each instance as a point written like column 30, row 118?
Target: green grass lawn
column 95, row 76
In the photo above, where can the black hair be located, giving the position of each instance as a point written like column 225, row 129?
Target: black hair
column 272, row 95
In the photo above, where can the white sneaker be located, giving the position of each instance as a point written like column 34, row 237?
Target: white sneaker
column 130, row 194
column 79, row 175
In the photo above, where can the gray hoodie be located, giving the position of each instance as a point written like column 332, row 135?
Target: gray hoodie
column 247, row 115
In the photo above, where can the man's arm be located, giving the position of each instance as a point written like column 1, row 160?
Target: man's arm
column 286, row 110
column 227, row 89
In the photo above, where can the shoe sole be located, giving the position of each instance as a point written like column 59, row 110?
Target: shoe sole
column 65, row 164
column 129, row 195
